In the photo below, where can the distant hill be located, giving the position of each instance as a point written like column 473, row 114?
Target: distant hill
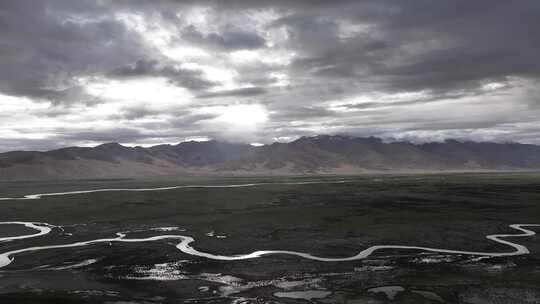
column 307, row 155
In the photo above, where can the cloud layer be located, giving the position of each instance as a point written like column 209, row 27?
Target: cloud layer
column 148, row 72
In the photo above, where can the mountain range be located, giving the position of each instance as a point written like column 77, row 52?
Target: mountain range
column 322, row 154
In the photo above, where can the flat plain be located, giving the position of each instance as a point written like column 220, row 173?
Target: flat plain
column 335, row 219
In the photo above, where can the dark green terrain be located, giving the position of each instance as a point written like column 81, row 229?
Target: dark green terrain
column 454, row 211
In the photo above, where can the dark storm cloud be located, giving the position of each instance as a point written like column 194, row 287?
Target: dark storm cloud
column 191, row 79
column 46, row 47
column 175, row 118
column 413, row 45
column 228, row 39
column 187, row 120
column 53, row 48
column 244, row 92
column 437, row 97
column 434, row 45
column 448, row 50
column 133, row 113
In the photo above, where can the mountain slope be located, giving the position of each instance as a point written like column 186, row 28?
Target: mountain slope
column 307, row 155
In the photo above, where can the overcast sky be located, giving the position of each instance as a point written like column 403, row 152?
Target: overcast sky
column 148, row 72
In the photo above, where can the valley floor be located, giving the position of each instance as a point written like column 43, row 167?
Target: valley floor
column 331, row 219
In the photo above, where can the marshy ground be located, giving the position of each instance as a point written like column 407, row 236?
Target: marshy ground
column 453, row 211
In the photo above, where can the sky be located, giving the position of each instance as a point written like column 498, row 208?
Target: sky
column 152, row 72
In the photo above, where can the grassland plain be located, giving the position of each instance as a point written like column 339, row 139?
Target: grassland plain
column 452, row 211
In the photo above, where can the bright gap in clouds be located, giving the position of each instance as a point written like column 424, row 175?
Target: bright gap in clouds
column 241, row 117
column 247, row 116
column 139, row 90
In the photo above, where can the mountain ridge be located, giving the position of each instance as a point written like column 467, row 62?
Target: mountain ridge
column 332, row 154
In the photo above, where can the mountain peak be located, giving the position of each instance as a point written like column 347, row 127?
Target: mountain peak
column 310, row 154
column 322, row 137
column 110, row 145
